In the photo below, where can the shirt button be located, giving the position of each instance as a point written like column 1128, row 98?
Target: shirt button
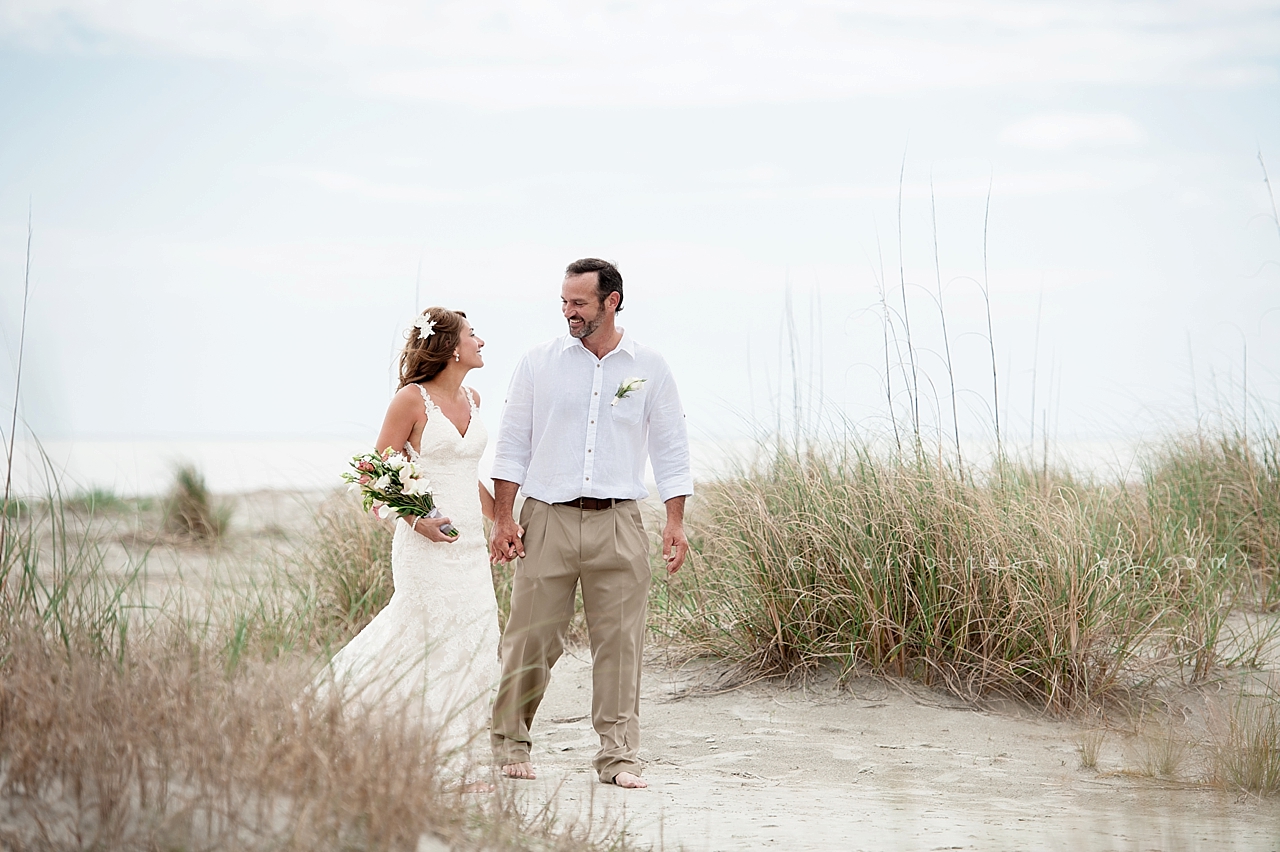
column 597, row 393
column 588, row 451
column 588, row 479
column 593, row 421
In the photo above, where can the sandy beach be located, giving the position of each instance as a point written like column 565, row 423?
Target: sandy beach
column 875, row 765
column 871, row 764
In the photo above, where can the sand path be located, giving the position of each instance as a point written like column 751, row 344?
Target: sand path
column 879, row 766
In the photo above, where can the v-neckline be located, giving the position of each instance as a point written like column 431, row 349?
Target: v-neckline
column 471, row 412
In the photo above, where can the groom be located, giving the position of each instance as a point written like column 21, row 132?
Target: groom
column 582, row 413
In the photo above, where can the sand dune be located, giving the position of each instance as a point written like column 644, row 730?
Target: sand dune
column 878, row 765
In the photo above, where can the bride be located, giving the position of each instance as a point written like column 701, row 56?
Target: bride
column 435, row 644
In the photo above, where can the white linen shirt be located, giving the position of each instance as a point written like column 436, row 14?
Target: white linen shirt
column 561, row 437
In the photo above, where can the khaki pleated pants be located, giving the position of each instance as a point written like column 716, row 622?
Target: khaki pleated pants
column 607, row 550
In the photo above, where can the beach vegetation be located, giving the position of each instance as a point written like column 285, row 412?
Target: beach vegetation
column 190, row 510
column 128, row 722
column 1244, row 750
column 1024, row 581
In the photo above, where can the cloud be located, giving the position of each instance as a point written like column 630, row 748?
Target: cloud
column 759, row 174
column 1018, row 184
column 361, row 187
column 1060, row 131
column 520, row 53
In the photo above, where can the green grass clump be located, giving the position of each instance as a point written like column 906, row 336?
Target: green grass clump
column 13, row 507
column 1021, row 582
column 1225, row 488
column 348, row 557
column 92, row 500
column 1245, row 755
column 189, row 509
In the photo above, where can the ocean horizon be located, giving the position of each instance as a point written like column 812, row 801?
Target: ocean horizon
column 145, row 467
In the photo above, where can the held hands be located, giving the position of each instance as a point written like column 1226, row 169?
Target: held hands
column 430, row 527
column 506, row 541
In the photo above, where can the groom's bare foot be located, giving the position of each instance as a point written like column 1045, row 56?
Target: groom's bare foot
column 630, row 781
column 524, row 770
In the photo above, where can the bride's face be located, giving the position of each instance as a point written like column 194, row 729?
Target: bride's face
column 469, row 346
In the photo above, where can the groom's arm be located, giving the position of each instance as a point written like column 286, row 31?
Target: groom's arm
column 511, row 459
column 669, row 455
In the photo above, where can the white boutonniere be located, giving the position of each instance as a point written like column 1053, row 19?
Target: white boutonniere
column 626, row 388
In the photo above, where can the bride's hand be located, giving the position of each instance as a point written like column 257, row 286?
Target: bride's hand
column 430, row 527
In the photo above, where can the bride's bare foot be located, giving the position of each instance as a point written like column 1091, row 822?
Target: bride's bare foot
column 478, row 787
column 523, row 770
column 630, row 781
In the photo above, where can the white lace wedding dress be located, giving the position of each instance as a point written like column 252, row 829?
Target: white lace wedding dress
column 435, row 645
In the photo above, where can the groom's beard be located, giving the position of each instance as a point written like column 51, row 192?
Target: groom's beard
column 586, row 329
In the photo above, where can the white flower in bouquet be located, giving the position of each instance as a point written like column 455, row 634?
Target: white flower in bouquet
column 392, row 485
column 416, row 487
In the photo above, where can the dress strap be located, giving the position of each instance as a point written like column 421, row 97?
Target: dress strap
column 427, row 401
column 471, row 399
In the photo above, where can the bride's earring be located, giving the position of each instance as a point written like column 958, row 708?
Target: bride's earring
column 457, row 357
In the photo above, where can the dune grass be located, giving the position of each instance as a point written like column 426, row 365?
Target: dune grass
column 190, row 510
column 128, row 726
column 1021, row 581
column 348, row 558
column 1247, row 755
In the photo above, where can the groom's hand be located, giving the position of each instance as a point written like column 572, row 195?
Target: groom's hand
column 507, row 540
column 675, row 547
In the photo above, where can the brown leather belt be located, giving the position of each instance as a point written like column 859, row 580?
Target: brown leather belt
column 593, row 503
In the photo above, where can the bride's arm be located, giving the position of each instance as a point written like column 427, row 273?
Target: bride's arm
column 403, row 414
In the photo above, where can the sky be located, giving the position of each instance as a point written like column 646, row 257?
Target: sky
column 237, row 207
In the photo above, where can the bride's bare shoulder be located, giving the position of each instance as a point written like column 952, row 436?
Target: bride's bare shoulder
column 408, row 401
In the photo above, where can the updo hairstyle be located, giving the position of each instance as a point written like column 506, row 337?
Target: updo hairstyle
column 423, row 359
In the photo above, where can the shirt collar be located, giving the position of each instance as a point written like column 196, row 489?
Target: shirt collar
column 625, row 345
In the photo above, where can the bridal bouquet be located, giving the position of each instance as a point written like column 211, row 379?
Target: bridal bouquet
column 391, row 484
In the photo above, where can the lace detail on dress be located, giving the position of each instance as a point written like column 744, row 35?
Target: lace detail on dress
column 436, row 642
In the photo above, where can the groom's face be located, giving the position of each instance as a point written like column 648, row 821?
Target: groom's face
column 580, row 303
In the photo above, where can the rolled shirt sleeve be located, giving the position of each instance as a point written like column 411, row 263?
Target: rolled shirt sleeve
column 669, row 442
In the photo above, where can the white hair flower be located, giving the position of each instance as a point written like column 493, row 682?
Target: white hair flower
column 425, row 325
